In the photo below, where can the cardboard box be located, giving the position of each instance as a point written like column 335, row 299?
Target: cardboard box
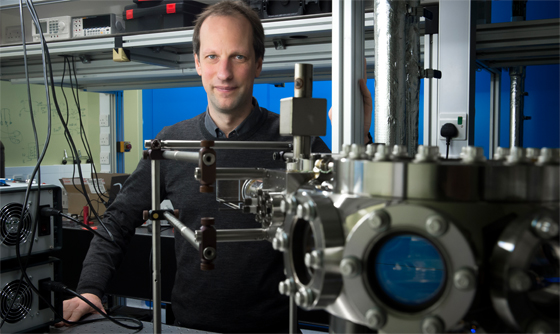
column 77, row 201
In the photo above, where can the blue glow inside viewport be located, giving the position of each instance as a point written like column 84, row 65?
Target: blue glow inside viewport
column 409, row 270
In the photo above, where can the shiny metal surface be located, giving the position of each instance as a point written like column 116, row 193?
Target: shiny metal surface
column 390, row 77
column 191, row 157
column 517, row 91
column 224, row 145
column 186, row 232
column 303, row 80
column 156, row 247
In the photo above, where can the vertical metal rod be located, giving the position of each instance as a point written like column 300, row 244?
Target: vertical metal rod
column 517, row 76
column 293, row 314
column 303, row 88
column 389, row 18
column 495, row 92
column 412, row 58
column 353, row 48
column 430, row 90
column 156, row 248
column 337, row 70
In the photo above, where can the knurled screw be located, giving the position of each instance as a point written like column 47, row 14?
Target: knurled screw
column 350, row 267
column 314, row 259
column 432, row 325
column 436, row 226
column 304, row 297
column 546, row 228
column 464, row 279
column 379, row 219
column 375, row 318
column 520, row 281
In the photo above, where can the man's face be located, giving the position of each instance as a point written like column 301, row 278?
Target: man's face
column 227, row 63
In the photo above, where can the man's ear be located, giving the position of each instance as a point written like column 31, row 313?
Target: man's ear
column 259, row 67
column 197, row 65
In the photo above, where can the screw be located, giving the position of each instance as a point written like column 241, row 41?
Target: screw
column 304, row 297
column 520, row 281
column 350, row 267
column 379, row 219
column 545, row 228
column 208, row 159
column 314, row 259
column 432, row 325
column 375, row 318
column 209, row 253
column 280, row 241
column 287, row 287
column 305, row 211
column 436, row 226
column 464, row 279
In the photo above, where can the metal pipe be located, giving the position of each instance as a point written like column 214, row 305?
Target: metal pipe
column 181, row 156
column 412, row 57
column 389, row 18
column 303, row 80
column 156, row 248
column 517, row 91
column 238, row 235
column 224, row 145
column 293, row 314
column 227, row 173
column 186, row 232
column 303, row 88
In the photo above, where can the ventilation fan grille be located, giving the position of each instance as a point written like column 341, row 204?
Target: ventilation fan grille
column 10, row 216
column 21, row 303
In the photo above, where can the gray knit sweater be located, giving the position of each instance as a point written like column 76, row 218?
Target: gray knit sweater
column 241, row 293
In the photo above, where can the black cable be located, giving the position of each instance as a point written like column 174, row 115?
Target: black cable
column 59, row 287
column 46, row 211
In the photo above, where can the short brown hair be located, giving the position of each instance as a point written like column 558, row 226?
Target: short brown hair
column 232, row 8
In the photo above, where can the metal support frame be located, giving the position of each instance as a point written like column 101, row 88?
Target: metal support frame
column 495, row 100
column 431, row 90
column 156, row 248
column 457, row 62
column 347, row 67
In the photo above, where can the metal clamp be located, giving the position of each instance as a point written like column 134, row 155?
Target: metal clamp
column 158, row 214
column 207, row 166
column 208, row 244
column 155, row 152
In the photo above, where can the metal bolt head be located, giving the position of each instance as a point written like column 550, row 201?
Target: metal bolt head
column 501, row 153
column 282, row 288
column 350, row 267
column 375, row 318
column 464, row 279
column 209, row 253
column 545, row 228
column 286, row 287
column 399, row 151
column 436, row 226
column 432, row 325
column 208, row 159
column 284, row 206
column 520, row 281
column 313, row 259
column 304, row 297
column 305, row 211
column 280, row 241
column 379, row 220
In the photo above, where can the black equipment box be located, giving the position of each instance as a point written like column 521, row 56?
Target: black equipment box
column 281, row 8
column 156, row 14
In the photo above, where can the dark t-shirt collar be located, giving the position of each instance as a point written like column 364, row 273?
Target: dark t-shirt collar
column 247, row 124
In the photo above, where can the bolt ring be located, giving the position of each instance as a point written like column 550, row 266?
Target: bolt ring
column 209, row 253
column 208, row 159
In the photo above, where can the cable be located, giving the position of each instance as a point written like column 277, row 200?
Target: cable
column 59, row 287
column 47, row 211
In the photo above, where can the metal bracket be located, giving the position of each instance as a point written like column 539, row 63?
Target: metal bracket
column 207, row 166
column 158, row 214
column 207, row 247
column 430, row 73
column 155, row 152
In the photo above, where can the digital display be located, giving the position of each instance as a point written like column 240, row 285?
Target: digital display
column 97, row 21
column 44, row 27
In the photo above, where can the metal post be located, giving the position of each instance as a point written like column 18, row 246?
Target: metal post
column 303, row 88
column 156, row 248
column 389, row 71
column 293, row 314
column 431, row 88
column 347, row 68
column 517, row 91
column 495, row 92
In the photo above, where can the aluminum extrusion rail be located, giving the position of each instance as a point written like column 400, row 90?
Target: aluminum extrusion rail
column 224, row 145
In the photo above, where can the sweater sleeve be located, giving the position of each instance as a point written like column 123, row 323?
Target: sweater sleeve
column 121, row 219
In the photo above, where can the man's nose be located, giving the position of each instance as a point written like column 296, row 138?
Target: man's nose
column 224, row 69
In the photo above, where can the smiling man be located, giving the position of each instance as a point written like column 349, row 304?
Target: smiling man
column 241, row 293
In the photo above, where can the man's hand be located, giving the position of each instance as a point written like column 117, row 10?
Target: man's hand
column 74, row 309
column 368, row 105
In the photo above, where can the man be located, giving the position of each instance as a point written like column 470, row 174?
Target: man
column 241, row 294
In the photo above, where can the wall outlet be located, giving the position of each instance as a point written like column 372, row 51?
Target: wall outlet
column 104, row 139
column 104, row 120
column 12, row 35
column 459, row 120
column 105, row 158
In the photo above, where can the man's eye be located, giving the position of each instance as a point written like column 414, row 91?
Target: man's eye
column 211, row 56
column 240, row 57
